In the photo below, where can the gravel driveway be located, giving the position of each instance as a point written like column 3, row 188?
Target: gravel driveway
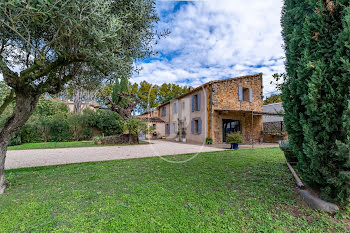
column 45, row 157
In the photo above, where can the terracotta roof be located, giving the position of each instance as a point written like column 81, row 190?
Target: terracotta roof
column 247, row 111
column 209, row 83
column 152, row 119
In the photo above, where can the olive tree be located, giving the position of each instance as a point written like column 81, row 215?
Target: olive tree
column 43, row 43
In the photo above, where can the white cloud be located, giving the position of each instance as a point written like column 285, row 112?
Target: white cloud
column 217, row 39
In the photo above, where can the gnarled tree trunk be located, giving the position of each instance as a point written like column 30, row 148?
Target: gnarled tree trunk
column 25, row 106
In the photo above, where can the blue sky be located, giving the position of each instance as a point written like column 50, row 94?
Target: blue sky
column 216, row 39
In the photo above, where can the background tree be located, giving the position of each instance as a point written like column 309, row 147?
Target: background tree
column 275, row 98
column 48, row 41
column 83, row 88
column 147, row 93
column 168, row 91
column 316, row 92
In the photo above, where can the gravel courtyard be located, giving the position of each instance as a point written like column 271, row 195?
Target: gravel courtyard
column 45, row 157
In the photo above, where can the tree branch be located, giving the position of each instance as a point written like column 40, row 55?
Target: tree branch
column 9, row 76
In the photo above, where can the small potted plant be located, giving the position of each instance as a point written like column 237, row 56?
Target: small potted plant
column 209, row 141
column 234, row 139
column 97, row 140
column 288, row 153
column 183, row 136
column 177, row 139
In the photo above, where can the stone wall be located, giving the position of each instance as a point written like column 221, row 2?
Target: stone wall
column 118, row 139
column 225, row 101
column 225, row 94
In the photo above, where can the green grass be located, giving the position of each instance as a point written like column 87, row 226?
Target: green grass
column 230, row 191
column 53, row 145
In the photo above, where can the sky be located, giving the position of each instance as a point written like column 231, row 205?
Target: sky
column 216, row 39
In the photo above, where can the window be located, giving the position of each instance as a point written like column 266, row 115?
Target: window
column 167, row 129
column 196, row 102
column 154, row 126
column 174, row 127
column 196, row 126
column 245, row 94
column 163, row 111
column 183, row 105
column 175, row 107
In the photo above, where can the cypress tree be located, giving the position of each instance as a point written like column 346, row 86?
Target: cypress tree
column 120, row 87
column 316, row 94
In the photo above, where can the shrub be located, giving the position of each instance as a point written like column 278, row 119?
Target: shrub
column 234, row 138
column 316, row 93
column 284, row 145
column 97, row 139
column 209, row 141
column 16, row 140
column 106, row 122
column 29, row 133
column 59, row 129
column 288, row 153
column 76, row 125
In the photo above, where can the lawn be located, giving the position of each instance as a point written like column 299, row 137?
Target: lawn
column 53, row 145
column 230, row 191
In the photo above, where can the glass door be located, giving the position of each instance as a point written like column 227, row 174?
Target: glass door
column 229, row 126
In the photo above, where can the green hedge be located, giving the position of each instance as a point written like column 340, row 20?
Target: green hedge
column 52, row 122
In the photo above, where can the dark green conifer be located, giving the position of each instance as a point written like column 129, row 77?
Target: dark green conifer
column 316, row 93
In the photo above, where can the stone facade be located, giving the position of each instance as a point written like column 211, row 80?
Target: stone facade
column 226, row 104
column 237, row 99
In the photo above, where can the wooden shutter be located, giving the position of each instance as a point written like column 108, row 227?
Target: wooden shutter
column 192, row 126
column 192, row 103
column 240, row 93
column 250, row 95
column 199, row 130
column 198, row 101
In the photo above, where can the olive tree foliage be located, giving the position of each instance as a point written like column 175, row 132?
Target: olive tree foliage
column 44, row 43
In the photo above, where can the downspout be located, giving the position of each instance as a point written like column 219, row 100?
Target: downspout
column 252, row 130
column 210, row 107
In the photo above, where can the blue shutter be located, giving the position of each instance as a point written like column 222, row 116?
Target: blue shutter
column 192, row 103
column 199, row 126
column 164, row 110
column 198, row 101
column 240, row 93
column 250, row 95
column 168, row 128
column 192, row 127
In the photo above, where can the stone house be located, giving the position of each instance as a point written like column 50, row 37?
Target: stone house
column 212, row 110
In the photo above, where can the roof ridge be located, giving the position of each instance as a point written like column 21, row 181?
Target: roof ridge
column 211, row 82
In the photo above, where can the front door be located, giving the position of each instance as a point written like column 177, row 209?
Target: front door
column 229, row 126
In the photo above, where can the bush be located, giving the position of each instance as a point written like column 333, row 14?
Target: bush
column 234, row 138
column 288, row 153
column 106, row 122
column 59, row 129
column 52, row 122
column 97, row 139
column 16, row 140
column 209, row 141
